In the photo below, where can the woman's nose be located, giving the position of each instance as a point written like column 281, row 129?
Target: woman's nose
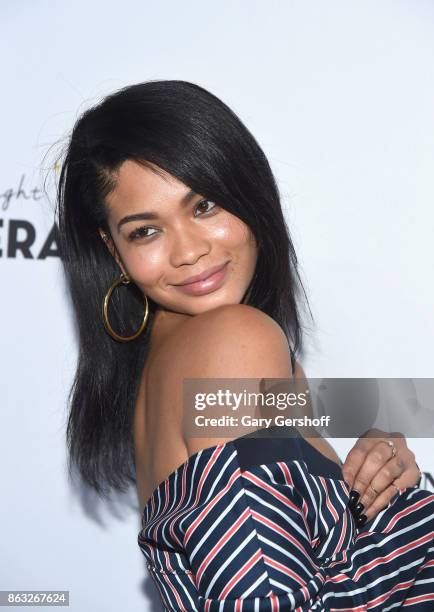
column 187, row 247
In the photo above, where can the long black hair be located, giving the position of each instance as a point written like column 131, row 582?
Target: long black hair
column 191, row 134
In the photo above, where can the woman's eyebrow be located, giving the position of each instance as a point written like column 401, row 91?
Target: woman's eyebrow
column 154, row 215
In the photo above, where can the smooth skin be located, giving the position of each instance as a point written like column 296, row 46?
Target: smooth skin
column 207, row 336
column 370, row 461
column 231, row 341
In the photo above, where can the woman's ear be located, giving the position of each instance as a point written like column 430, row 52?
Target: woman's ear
column 111, row 247
column 108, row 242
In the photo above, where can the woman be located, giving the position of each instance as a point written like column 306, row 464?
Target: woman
column 161, row 182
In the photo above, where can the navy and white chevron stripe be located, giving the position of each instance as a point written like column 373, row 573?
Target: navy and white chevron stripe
column 218, row 536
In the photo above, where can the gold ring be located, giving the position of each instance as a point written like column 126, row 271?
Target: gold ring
column 392, row 446
column 375, row 491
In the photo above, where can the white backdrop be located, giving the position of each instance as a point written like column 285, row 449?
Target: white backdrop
column 340, row 95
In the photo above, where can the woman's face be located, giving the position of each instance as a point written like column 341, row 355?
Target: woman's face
column 182, row 239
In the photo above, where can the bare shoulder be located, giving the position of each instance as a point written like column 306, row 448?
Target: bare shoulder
column 232, row 341
column 235, row 340
column 231, row 315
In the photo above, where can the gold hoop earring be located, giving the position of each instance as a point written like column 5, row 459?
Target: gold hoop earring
column 125, row 280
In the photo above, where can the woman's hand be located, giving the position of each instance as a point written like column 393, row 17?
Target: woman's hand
column 375, row 468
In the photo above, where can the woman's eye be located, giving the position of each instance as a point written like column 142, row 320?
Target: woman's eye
column 143, row 232
column 206, row 202
column 139, row 232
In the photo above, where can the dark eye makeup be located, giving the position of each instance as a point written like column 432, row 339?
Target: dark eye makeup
column 140, row 232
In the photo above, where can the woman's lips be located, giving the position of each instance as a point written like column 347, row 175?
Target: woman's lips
column 208, row 285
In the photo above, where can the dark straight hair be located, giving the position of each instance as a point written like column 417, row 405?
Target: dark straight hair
column 190, row 133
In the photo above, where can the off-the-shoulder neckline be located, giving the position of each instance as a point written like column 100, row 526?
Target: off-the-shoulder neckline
column 209, row 449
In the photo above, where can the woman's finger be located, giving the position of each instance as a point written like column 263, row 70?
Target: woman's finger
column 357, row 455
column 378, row 456
column 412, row 475
column 380, row 502
column 378, row 491
column 354, row 460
